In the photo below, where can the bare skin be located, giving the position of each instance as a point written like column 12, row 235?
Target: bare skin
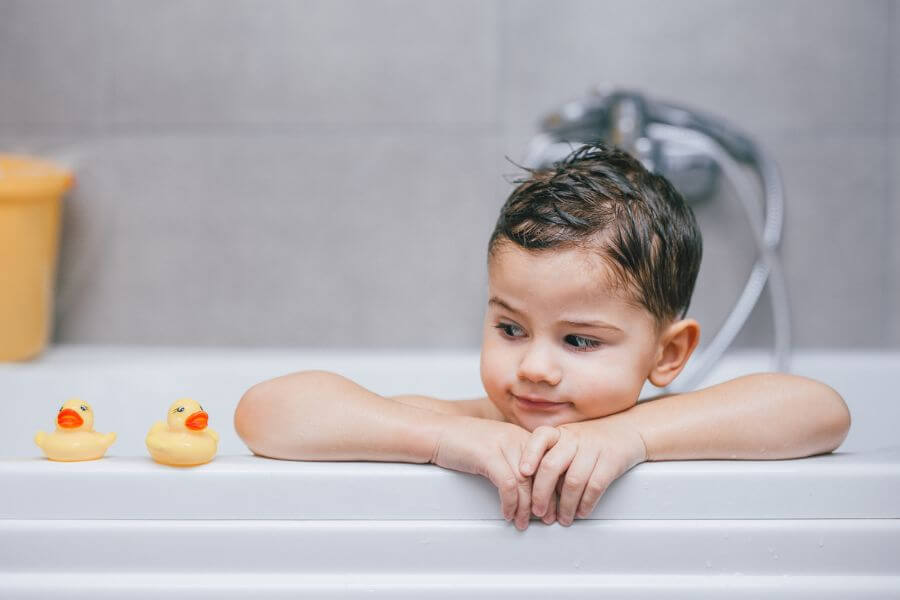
column 553, row 461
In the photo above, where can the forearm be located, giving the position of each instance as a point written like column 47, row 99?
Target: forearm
column 756, row 417
column 316, row 415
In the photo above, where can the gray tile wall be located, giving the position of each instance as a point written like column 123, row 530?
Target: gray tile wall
column 325, row 173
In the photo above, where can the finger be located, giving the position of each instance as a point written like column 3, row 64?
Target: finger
column 576, row 480
column 506, row 480
column 505, row 507
column 523, row 489
column 600, row 480
column 553, row 465
column 550, row 477
column 553, row 507
column 523, row 514
column 550, row 514
column 542, row 438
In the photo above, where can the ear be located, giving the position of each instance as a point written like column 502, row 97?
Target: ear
column 676, row 344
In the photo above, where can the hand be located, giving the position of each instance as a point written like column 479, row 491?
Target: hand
column 492, row 449
column 592, row 454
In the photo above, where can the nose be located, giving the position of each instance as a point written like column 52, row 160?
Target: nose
column 537, row 365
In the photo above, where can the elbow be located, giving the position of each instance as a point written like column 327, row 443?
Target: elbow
column 263, row 420
column 839, row 425
column 252, row 416
column 831, row 411
column 824, row 413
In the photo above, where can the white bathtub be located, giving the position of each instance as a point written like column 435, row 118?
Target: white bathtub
column 820, row 527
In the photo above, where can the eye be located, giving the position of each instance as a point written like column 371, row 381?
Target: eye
column 83, row 408
column 180, row 409
column 505, row 327
column 583, row 344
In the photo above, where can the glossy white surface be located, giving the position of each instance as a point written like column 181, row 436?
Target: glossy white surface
column 845, row 486
column 819, row 527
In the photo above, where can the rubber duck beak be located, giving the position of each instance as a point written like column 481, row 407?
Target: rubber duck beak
column 197, row 420
column 69, row 419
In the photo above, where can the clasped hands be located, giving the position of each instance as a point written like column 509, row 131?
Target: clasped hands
column 573, row 464
column 557, row 473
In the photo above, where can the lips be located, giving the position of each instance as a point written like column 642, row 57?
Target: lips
column 197, row 420
column 69, row 419
column 534, row 403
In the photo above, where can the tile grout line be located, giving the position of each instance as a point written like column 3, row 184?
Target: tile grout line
column 889, row 280
column 212, row 129
column 243, row 129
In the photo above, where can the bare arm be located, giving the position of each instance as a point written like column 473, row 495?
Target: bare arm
column 317, row 415
column 755, row 417
column 465, row 408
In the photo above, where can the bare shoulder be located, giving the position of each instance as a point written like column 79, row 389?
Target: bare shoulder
column 476, row 407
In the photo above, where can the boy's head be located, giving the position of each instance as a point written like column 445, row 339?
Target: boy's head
column 596, row 238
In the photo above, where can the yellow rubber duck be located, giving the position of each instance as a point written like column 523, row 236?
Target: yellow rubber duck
column 184, row 440
column 74, row 438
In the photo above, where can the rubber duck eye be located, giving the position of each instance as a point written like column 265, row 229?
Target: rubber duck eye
column 84, row 408
column 180, row 409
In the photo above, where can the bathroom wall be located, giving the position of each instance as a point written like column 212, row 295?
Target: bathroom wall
column 327, row 173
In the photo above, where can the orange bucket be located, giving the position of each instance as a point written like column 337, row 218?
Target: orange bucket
column 31, row 192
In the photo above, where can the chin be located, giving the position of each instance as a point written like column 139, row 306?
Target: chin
column 531, row 421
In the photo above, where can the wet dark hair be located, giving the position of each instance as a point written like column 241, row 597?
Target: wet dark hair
column 603, row 199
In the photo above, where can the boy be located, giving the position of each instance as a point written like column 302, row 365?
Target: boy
column 591, row 268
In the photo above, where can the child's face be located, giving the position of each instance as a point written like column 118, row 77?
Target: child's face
column 528, row 349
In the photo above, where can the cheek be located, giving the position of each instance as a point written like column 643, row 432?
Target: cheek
column 606, row 392
column 494, row 370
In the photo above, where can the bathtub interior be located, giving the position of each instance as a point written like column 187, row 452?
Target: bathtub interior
column 131, row 387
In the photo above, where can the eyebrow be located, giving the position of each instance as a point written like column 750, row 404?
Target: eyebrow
column 600, row 324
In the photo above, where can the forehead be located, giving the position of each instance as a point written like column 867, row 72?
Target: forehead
column 572, row 278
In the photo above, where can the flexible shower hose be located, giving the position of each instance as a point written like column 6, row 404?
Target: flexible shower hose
column 766, row 237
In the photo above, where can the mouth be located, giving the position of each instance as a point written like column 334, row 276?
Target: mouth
column 69, row 419
column 540, row 405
